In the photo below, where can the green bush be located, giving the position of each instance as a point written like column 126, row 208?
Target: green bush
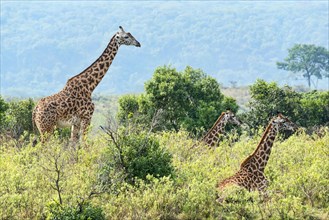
column 143, row 156
column 305, row 109
column 315, row 109
column 174, row 100
column 136, row 156
column 16, row 117
column 56, row 211
column 32, row 177
column 3, row 109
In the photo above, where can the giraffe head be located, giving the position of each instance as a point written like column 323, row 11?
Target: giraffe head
column 230, row 117
column 282, row 122
column 125, row 38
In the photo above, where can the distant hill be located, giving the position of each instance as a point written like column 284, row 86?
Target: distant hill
column 43, row 44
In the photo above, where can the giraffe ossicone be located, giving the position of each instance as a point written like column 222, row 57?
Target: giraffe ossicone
column 251, row 174
column 73, row 106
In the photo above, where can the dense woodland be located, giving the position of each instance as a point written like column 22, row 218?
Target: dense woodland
column 240, row 45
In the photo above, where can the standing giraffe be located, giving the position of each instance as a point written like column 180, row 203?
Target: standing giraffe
column 212, row 136
column 72, row 106
column 251, row 174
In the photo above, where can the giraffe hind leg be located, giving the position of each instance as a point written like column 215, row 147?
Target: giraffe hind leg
column 84, row 129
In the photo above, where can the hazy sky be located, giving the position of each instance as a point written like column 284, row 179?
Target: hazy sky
column 45, row 43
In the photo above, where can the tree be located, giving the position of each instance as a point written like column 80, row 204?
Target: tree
column 314, row 108
column 189, row 99
column 309, row 60
column 305, row 109
column 3, row 109
column 267, row 99
column 18, row 117
column 134, row 154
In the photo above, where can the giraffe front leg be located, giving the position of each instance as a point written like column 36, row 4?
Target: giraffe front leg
column 75, row 129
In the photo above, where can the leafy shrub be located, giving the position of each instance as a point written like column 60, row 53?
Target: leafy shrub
column 174, row 100
column 305, row 109
column 84, row 212
column 3, row 109
column 315, row 109
column 297, row 171
column 143, row 156
column 137, row 156
column 16, row 117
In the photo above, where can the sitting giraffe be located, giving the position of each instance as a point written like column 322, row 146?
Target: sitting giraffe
column 72, row 106
column 251, row 174
column 212, row 136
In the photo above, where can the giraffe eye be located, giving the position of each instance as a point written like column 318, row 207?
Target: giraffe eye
column 126, row 37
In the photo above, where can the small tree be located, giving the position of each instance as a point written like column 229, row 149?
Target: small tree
column 305, row 109
column 314, row 109
column 18, row 117
column 267, row 99
column 189, row 99
column 134, row 154
column 309, row 60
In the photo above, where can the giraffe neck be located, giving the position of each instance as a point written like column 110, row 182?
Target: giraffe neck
column 87, row 80
column 212, row 136
column 260, row 156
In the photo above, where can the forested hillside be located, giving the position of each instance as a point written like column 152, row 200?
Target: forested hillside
column 44, row 44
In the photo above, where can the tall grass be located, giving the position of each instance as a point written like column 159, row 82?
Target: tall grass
column 32, row 179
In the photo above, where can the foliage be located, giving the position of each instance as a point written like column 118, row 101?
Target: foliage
column 174, row 100
column 3, row 109
column 16, row 119
column 306, row 109
column 31, row 177
column 143, row 156
column 16, row 116
column 85, row 212
column 315, row 108
column 137, row 109
column 267, row 99
column 298, row 171
column 310, row 60
column 136, row 156
column 242, row 38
